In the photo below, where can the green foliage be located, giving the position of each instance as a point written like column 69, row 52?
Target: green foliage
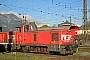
column 87, row 24
column 17, row 57
column 44, row 26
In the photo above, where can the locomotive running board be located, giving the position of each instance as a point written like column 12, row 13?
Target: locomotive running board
column 6, row 43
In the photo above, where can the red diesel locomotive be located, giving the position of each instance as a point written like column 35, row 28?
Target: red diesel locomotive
column 27, row 38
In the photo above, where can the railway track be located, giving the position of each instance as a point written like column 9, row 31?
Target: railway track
column 84, row 47
column 55, row 57
column 49, row 57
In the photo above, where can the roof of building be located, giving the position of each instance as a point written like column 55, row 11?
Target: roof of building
column 66, row 23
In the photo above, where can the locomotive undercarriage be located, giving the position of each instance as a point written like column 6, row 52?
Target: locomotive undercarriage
column 41, row 48
column 6, row 47
column 49, row 48
column 63, row 49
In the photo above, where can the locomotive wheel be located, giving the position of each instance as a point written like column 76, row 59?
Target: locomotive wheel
column 6, row 50
column 50, row 53
column 24, row 49
column 71, row 53
column 2, row 48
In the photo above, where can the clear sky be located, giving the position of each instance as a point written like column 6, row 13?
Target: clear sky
column 48, row 11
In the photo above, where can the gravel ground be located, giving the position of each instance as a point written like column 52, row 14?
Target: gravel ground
column 83, row 56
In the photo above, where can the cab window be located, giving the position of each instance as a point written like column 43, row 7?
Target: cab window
column 26, row 28
column 0, row 29
column 18, row 29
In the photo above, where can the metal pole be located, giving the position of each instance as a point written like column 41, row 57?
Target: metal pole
column 85, row 16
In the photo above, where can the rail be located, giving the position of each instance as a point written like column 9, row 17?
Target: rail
column 83, row 46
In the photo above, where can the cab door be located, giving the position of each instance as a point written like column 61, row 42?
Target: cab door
column 54, row 41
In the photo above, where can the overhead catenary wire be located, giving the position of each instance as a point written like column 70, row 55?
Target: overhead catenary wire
column 48, row 8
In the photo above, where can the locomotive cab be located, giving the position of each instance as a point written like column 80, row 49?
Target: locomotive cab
column 27, row 27
column 23, row 28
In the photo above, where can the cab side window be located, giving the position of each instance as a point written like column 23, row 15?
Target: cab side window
column 26, row 28
column 18, row 29
column 0, row 29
